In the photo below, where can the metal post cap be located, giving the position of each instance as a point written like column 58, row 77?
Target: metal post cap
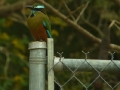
column 37, row 44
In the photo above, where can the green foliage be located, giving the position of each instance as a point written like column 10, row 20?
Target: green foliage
column 13, row 57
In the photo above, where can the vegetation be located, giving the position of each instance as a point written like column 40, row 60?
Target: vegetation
column 76, row 25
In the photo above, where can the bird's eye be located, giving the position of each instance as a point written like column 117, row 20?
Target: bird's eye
column 37, row 9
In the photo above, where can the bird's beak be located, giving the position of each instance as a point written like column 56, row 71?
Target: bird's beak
column 29, row 6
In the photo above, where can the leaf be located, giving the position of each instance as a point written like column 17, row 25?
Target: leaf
column 18, row 44
column 54, row 33
column 4, row 36
column 8, row 23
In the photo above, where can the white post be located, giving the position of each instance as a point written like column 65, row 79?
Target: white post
column 50, row 53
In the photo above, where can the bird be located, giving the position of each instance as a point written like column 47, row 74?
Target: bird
column 38, row 22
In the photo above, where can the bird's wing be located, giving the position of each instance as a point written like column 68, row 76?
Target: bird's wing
column 47, row 26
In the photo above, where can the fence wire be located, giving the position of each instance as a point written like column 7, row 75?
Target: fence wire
column 72, row 79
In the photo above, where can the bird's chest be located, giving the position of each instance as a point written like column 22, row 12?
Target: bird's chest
column 35, row 22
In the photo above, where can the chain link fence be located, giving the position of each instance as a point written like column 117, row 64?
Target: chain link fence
column 70, row 74
column 86, row 74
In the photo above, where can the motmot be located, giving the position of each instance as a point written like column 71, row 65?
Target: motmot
column 38, row 22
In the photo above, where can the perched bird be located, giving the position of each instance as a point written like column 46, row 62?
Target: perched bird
column 38, row 22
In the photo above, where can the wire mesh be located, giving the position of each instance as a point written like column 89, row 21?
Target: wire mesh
column 72, row 79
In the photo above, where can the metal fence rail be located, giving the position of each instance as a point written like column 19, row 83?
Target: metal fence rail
column 56, row 65
column 86, row 65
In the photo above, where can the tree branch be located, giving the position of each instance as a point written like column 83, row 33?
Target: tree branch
column 2, row 2
column 68, row 10
column 117, row 2
column 4, row 51
column 7, row 64
column 81, row 12
column 116, row 23
column 77, row 27
column 4, row 10
column 94, row 27
column 17, row 18
column 70, row 22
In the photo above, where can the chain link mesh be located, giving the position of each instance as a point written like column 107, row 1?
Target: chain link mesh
column 72, row 79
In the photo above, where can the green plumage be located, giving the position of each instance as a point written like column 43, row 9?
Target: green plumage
column 38, row 22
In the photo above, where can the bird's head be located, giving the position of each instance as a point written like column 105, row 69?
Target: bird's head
column 36, row 8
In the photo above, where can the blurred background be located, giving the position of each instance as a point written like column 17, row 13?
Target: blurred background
column 15, row 36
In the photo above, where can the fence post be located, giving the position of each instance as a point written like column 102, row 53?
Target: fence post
column 50, row 51
column 37, row 61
